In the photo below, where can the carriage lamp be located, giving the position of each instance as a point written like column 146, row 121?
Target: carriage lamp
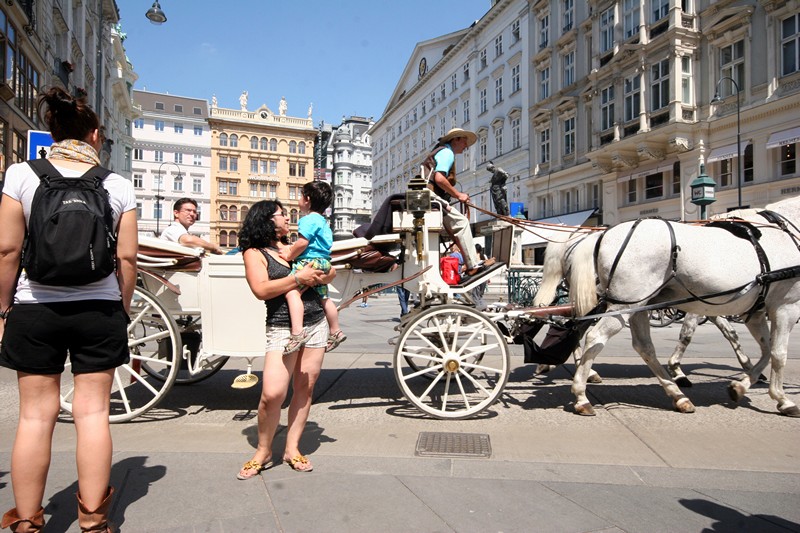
column 703, row 188
column 418, row 202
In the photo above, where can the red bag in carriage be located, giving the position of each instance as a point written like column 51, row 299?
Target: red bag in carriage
column 448, row 266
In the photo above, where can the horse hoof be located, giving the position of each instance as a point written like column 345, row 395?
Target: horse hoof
column 585, row 409
column 683, row 382
column 684, row 405
column 736, row 391
column 792, row 411
column 595, row 378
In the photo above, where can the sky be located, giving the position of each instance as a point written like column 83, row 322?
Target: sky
column 343, row 56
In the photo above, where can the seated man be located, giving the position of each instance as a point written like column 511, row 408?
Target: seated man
column 185, row 213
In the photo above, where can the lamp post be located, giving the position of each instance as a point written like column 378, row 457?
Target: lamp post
column 158, row 194
column 155, row 14
column 717, row 100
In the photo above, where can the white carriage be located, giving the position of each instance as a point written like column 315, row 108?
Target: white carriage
column 191, row 313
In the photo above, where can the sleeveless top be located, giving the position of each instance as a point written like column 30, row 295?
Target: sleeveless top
column 278, row 309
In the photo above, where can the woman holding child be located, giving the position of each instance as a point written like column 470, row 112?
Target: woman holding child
column 262, row 237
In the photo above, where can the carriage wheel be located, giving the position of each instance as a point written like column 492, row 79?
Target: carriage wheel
column 461, row 372
column 660, row 318
column 190, row 369
column 153, row 339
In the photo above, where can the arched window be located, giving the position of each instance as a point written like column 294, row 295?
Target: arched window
column 223, row 212
column 233, row 213
column 234, row 140
column 223, row 139
column 254, row 143
column 232, row 239
column 301, row 148
column 223, row 238
column 244, row 211
column 293, row 218
column 273, row 145
column 293, row 147
column 264, row 143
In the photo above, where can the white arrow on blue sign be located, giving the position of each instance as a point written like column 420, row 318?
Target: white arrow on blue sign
column 38, row 141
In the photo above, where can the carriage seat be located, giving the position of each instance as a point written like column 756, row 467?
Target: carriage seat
column 161, row 254
column 370, row 255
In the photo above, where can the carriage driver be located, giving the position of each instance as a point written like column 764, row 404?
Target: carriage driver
column 440, row 167
column 185, row 213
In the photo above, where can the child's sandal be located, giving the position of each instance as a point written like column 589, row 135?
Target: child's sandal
column 295, row 342
column 334, row 340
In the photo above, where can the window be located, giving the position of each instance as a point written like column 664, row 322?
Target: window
column 659, row 85
column 515, row 31
column 138, row 181
column 630, row 17
column 234, row 164
column 197, row 111
column 159, row 125
column 157, row 211
column 442, row 92
column 273, row 145
column 254, row 143
column 676, row 178
column 158, row 156
column 254, row 166
column 137, row 154
column 686, row 80
column 229, row 187
column 731, row 64
column 158, row 182
column 293, row 169
column 482, row 101
column 482, row 59
column 273, row 191
column 568, row 14
column 223, row 162
column 498, row 140
column 568, row 64
column 453, row 83
column 160, row 106
column 178, row 108
column 569, row 135
column 178, row 128
column 293, row 215
column 179, row 158
column 139, row 210
column 197, row 185
column 465, row 69
column 293, row 147
column 725, row 167
column 433, row 100
column 631, row 191
column 747, row 176
column 223, row 139
column 177, row 183
column 301, row 147
column 498, row 46
column 466, row 113
column 442, row 127
column 234, row 140
column 138, row 123
column 263, row 144
column 258, row 190
column 653, row 186
column 482, row 148
column 607, row 108
column 515, row 79
column 292, row 192
column 453, row 120
column 223, row 211
column 788, row 155
column 197, row 160
column 632, row 97
column 790, row 45
column 223, row 238
column 544, row 83
column 198, row 130
column 263, row 167
column 233, row 213
column 515, row 142
column 544, row 30
column 273, row 167
column 498, row 90
column 544, row 145
column 660, row 9
column 607, row 30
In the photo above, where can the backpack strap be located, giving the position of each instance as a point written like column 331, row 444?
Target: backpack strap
column 97, row 173
column 44, row 169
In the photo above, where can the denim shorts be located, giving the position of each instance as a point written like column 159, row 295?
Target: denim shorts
column 278, row 336
column 39, row 336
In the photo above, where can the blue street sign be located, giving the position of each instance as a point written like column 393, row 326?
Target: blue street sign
column 38, row 141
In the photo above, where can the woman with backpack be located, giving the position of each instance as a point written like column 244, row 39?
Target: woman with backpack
column 84, row 315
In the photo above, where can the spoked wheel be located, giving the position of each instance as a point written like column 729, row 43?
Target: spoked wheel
column 192, row 369
column 153, row 339
column 660, row 318
column 451, row 361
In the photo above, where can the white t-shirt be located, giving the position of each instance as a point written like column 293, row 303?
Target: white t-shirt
column 20, row 184
column 174, row 232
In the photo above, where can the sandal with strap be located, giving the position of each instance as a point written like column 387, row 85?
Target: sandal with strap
column 300, row 463
column 252, row 468
column 295, row 342
column 334, row 340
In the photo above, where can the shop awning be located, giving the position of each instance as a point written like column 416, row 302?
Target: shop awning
column 725, row 152
column 782, row 138
column 540, row 235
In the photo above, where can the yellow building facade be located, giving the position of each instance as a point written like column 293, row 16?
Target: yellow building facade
column 256, row 155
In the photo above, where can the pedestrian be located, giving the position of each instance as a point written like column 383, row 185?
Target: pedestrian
column 184, row 212
column 262, row 236
column 364, row 301
column 478, row 292
column 403, row 295
column 313, row 246
column 440, row 168
column 41, row 325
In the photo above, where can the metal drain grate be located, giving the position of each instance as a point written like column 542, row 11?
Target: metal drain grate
column 454, row 444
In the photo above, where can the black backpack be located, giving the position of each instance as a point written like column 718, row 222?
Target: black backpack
column 70, row 238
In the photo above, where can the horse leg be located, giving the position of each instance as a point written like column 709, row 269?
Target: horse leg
column 782, row 324
column 643, row 343
column 759, row 329
column 674, row 364
column 593, row 377
column 596, row 339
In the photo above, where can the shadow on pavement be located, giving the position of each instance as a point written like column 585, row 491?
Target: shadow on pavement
column 730, row 519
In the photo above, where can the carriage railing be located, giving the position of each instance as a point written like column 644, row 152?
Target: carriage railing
column 523, row 282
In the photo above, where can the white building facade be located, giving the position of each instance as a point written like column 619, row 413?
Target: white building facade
column 171, row 160
column 350, row 151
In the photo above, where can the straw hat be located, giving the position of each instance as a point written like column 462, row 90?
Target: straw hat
column 456, row 133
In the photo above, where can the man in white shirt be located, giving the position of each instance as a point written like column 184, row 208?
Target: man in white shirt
column 185, row 213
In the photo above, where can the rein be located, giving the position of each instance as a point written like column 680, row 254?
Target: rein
column 523, row 224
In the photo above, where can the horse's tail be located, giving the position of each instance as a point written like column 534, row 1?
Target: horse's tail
column 552, row 272
column 583, row 276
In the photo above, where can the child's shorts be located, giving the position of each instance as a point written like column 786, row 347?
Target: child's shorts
column 320, row 264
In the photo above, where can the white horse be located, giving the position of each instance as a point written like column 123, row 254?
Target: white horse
column 699, row 269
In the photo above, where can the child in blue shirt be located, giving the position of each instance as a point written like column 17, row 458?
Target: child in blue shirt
column 313, row 246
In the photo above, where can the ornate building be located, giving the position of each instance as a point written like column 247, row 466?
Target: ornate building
column 351, row 154
column 256, row 155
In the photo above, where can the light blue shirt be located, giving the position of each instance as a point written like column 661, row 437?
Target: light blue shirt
column 314, row 228
column 445, row 159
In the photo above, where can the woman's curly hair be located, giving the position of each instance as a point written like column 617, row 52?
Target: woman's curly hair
column 258, row 228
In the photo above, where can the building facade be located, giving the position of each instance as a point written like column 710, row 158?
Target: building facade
column 171, row 160
column 350, row 151
column 76, row 45
column 256, row 155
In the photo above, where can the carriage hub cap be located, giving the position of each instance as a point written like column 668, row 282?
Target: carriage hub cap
column 451, row 365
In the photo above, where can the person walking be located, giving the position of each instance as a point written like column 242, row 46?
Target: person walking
column 184, row 212
column 262, row 236
column 41, row 324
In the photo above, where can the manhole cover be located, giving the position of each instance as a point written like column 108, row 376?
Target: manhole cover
column 454, row 444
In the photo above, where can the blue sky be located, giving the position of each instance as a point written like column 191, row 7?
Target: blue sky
column 345, row 56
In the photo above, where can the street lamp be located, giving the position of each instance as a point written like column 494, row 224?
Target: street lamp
column 155, row 15
column 717, row 100
column 158, row 194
